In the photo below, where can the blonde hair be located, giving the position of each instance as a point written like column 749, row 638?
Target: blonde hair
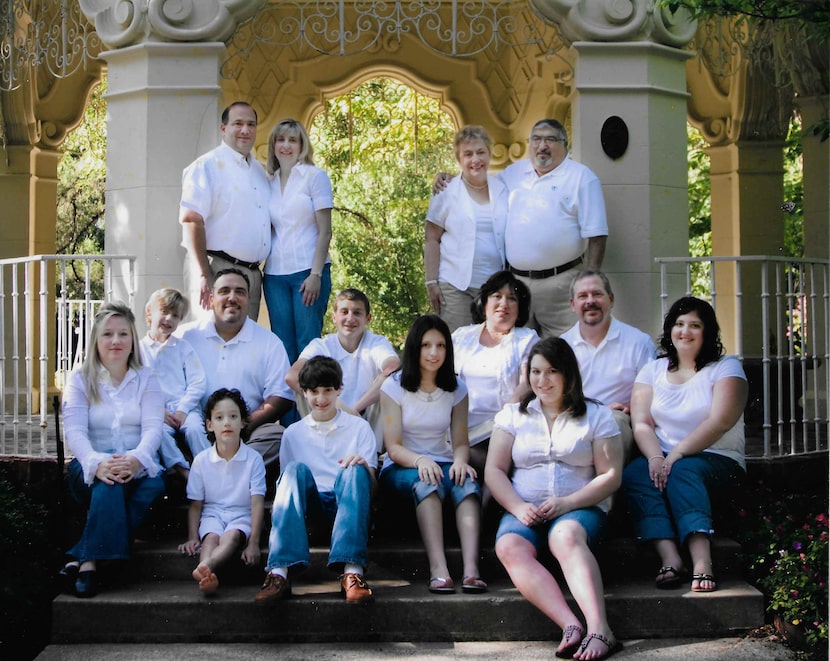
column 92, row 364
column 289, row 127
column 167, row 299
column 471, row 132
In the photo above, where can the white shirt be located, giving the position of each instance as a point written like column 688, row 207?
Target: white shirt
column 294, row 229
column 231, row 193
column 608, row 370
column 179, row 372
column 321, row 445
column 552, row 216
column 490, row 373
column 224, row 486
column 425, row 417
column 127, row 420
column 360, row 367
column 679, row 408
column 454, row 211
column 556, row 463
column 254, row 362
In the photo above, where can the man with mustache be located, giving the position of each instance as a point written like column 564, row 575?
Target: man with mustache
column 556, row 222
column 610, row 353
column 236, row 352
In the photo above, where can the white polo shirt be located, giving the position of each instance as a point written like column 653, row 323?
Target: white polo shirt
column 360, row 368
column 551, row 217
column 254, row 362
column 320, row 445
column 608, row 370
column 179, row 372
column 231, row 193
column 293, row 223
column 226, row 486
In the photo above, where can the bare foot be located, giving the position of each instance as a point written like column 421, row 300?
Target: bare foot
column 208, row 582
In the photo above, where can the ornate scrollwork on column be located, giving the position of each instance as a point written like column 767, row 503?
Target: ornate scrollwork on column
column 618, row 20
column 121, row 23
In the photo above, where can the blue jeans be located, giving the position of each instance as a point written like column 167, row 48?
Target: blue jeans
column 291, row 321
column 114, row 513
column 406, row 481
column 346, row 509
column 684, row 507
column 592, row 520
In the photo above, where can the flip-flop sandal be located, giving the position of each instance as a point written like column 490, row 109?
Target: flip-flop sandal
column 473, row 585
column 677, row 578
column 613, row 648
column 704, row 577
column 441, row 585
column 568, row 632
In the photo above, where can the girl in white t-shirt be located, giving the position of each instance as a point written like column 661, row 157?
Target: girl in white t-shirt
column 687, row 416
column 226, row 488
column 424, row 410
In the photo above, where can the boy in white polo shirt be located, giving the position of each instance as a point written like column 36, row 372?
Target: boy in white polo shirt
column 365, row 358
column 227, row 492
column 180, row 374
column 328, row 462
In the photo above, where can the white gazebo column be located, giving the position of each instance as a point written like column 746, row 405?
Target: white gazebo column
column 630, row 65
column 646, row 188
column 163, row 111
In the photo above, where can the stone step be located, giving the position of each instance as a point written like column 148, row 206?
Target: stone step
column 174, row 611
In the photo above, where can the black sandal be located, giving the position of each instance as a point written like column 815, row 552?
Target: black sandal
column 568, row 632
column 677, row 578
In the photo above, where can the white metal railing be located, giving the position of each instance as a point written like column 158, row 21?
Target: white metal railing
column 777, row 314
column 43, row 334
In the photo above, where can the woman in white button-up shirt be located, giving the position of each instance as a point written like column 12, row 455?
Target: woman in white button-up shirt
column 297, row 273
column 113, row 410
column 566, row 459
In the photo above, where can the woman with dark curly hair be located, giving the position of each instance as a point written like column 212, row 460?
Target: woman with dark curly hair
column 687, row 416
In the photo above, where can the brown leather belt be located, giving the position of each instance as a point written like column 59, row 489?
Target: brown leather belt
column 251, row 266
column 546, row 273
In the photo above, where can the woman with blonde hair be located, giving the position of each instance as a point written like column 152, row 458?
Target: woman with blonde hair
column 297, row 273
column 113, row 410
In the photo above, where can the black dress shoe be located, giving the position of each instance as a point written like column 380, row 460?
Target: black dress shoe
column 85, row 584
column 67, row 575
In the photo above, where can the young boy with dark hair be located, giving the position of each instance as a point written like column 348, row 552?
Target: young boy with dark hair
column 328, row 461
column 180, row 374
column 365, row 358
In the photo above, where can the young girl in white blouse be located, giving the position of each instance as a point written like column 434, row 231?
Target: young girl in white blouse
column 424, row 410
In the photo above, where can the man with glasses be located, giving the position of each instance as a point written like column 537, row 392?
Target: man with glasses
column 556, row 225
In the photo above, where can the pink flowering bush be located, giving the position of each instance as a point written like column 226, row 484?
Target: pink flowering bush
column 788, row 552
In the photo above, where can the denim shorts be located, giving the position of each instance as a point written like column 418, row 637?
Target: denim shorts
column 406, row 481
column 592, row 520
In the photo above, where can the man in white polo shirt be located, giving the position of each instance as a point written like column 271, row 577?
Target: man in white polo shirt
column 224, row 211
column 236, row 352
column 556, row 222
column 610, row 353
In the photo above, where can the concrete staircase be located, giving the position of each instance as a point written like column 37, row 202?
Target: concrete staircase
column 154, row 600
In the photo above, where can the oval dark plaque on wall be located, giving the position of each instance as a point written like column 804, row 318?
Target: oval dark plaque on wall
column 614, row 137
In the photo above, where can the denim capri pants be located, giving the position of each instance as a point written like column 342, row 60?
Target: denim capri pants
column 406, row 481
column 592, row 520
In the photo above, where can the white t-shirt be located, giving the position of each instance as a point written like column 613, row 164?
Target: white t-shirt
column 679, row 408
column 490, row 373
column 231, row 193
column 360, row 367
column 254, row 362
column 552, row 216
column 226, row 486
column 454, row 211
column 321, row 445
column 608, row 370
column 425, row 417
column 294, row 229
column 179, row 372
column 556, row 463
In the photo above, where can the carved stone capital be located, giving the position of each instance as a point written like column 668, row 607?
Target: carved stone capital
column 618, row 20
column 121, row 23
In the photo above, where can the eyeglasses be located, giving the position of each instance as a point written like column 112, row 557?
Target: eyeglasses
column 549, row 140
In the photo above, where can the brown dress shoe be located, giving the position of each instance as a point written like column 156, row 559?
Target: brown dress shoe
column 355, row 589
column 275, row 588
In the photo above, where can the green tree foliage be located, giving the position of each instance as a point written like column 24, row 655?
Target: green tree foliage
column 81, row 184
column 381, row 145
